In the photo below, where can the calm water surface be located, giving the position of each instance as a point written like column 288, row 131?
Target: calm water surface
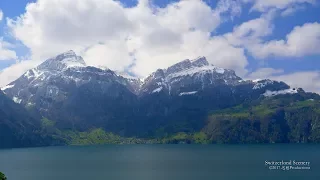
column 163, row 162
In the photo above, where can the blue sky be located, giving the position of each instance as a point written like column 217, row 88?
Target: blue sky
column 261, row 56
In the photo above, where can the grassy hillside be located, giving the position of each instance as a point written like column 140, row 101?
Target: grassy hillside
column 271, row 120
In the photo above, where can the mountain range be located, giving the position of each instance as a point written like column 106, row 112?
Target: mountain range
column 62, row 98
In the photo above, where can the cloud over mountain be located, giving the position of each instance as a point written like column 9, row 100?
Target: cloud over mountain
column 144, row 37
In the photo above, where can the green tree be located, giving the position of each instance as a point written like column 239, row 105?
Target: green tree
column 2, row 176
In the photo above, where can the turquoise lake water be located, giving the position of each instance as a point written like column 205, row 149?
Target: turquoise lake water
column 159, row 162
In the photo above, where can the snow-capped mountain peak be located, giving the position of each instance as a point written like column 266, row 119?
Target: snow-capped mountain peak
column 187, row 64
column 63, row 61
column 199, row 67
column 192, row 75
column 180, row 66
column 200, row 61
column 62, row 75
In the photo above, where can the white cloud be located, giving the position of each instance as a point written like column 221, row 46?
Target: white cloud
column 217, row 50
column 301, row 41
column 308, row 80
column 111, row 54
column 5, row 52
column 251, row 32
column 1, row 15
column 291, row 10
column 266, row 5
column 51, row 27
column 13, row 72
column 106, row 33
column 264, row 73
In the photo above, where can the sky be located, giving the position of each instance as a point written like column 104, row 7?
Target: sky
column 259, row 39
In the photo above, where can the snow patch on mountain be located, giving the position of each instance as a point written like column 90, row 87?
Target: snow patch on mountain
column 192, row 67
column 194, row 70
column 102, row 67
column 33, row 73
column 256, row 80
column 157, row 90
column 262, row 83
column 275, row 93
column 62, row 62
column 72, row 62
column 29, row 104
column 188, row 93
column 70, row 59
column 200, row 61
column 7, row 87
column 17, row 100
column 37, row 73
column 28, row 74
column 126, row 76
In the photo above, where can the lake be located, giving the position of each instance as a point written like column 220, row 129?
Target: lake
column 159, row 162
